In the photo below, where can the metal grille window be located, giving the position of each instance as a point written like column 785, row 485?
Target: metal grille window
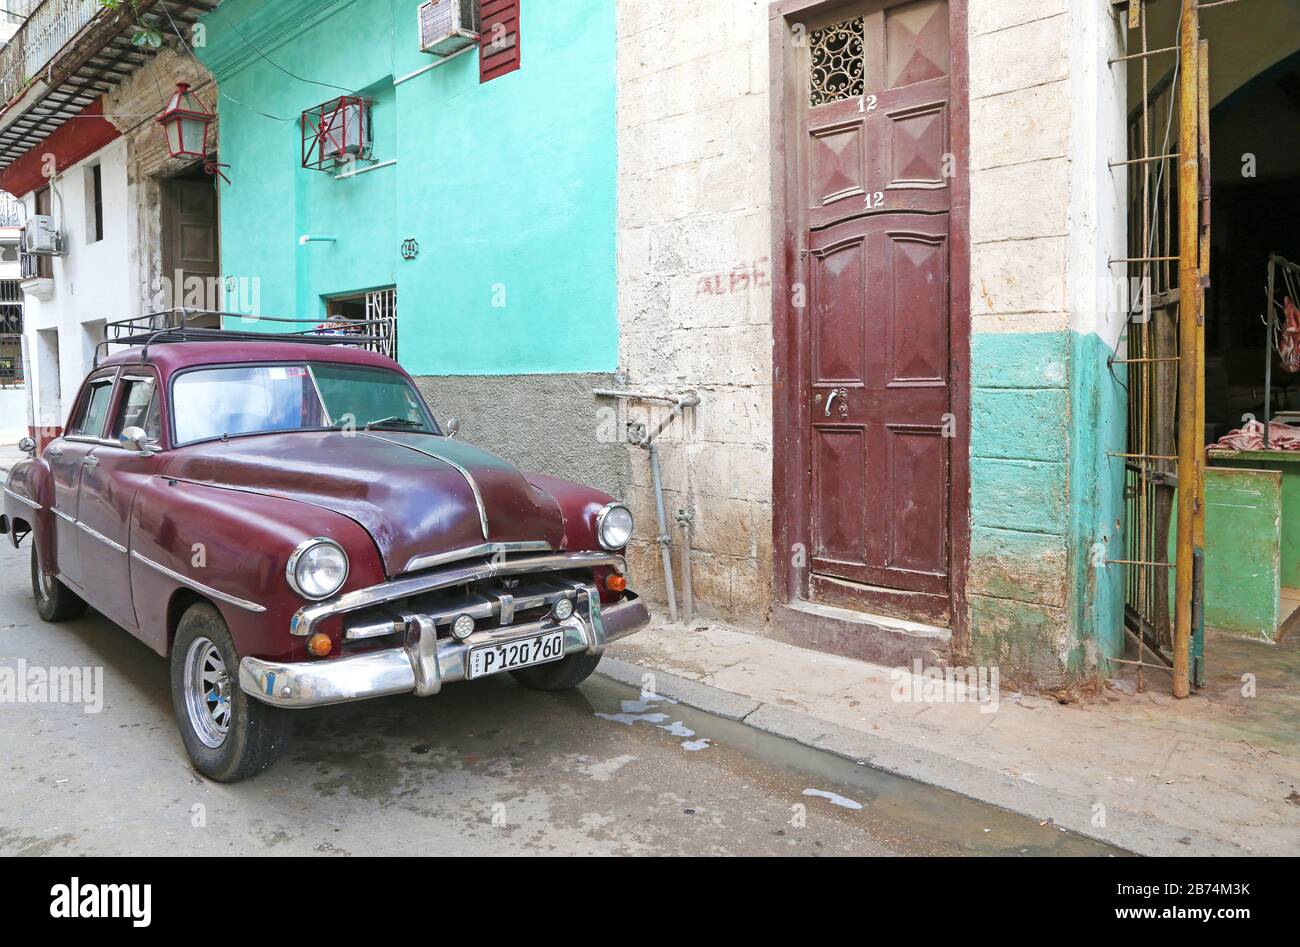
column 11, row 333
column 381, row 311
column 837, row 70
column 373, row 313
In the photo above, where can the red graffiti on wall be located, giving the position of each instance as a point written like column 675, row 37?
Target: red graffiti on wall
column 742, row 279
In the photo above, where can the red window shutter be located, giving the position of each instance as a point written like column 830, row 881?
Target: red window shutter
column 498, row 42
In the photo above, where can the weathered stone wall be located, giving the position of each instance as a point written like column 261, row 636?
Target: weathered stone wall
column 1045, row 216
column 694, row 233
column 133, row 107
column 694, row 237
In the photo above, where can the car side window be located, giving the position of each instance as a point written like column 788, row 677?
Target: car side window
column 139, row 408
column 94, row 410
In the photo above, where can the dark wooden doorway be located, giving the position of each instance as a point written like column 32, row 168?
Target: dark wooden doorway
column 190, row 244
column 872, row 306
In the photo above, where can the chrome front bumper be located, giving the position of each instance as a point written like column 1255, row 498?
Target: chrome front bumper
column 425, row 663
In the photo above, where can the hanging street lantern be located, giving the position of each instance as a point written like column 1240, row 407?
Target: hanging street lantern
column 186, row 124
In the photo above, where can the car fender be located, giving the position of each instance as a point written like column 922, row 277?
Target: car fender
column 232, row 548
column 30, row 482
column 579, row 505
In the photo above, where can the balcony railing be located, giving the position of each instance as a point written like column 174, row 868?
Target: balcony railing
column 49, row 28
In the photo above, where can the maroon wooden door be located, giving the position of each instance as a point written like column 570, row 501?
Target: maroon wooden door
column 874, row 167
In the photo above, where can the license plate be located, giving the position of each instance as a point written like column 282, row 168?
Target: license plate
column 517, row 654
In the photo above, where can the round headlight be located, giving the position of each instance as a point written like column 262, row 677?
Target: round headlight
column 562, row 609
column 614, row 526
column 318, row 568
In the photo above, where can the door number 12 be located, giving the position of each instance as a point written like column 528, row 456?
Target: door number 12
column 867, row 103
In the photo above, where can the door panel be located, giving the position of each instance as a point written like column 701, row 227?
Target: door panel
column 918, row 274
column 839, row 281
column 839, row 456
column 876, row 169
column 65, row 458
column 108, row 488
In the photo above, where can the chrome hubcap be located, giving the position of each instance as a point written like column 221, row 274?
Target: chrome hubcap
column 207, row 692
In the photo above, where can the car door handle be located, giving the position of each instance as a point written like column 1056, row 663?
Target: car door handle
column 90, row 462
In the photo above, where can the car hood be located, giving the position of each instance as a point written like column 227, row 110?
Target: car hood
column 417, row 494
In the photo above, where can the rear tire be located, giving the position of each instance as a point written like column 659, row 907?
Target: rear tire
column 54, row 600
column 228, row 734
column 560, row 675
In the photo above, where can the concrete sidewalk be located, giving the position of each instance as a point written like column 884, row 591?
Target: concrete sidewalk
column 1216, row 774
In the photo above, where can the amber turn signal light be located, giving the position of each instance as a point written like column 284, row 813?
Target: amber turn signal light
column 320, row 644
column 615, row 582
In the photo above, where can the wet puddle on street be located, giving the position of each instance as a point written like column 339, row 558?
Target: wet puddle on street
column 901, row 814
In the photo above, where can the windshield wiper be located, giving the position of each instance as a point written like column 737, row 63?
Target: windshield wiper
column 402, row 422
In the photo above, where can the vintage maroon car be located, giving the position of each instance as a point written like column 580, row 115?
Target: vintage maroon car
column 287, row 521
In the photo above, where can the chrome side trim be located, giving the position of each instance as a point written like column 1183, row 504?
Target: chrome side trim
column 478, row 497
column 23, row 500
column 469, row 552
column 306, row 619
column 101, row 537
column 199, row 586
column 64, row 516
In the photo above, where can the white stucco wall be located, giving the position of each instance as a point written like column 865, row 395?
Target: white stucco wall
column 93, row 282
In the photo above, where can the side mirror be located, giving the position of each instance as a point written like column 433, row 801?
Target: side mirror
column 27, row 446
column 452, row 427
column 135, row 439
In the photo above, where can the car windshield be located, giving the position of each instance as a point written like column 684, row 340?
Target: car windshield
column 253, row 399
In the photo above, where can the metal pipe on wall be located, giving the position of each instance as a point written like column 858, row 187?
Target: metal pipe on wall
column 686, row 519
column 644, row 437
column 664, row 539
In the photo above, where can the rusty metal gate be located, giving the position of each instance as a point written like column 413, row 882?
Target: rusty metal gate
column 1163, row 362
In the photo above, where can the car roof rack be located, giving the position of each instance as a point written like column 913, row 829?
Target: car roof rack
column 170, row 326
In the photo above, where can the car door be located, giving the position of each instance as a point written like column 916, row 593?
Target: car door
column 67, row 456
column 111, row 477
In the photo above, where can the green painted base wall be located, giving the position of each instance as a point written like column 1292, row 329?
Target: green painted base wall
column 1046, row 504
column 1244, row 550
column 508, row 187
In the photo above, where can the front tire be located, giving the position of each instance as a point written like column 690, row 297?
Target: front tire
column 54, row 600
column 560, row 675
column 228, row 734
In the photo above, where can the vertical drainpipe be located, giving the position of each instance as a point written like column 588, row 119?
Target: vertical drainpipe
column 664, row 540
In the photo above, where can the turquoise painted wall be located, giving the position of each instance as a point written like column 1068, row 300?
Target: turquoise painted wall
column 508, row 186
column 1046, row 498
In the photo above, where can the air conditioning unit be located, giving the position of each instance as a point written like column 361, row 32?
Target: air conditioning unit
column 41, row 237
column 448, row 26
column 346, row 131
